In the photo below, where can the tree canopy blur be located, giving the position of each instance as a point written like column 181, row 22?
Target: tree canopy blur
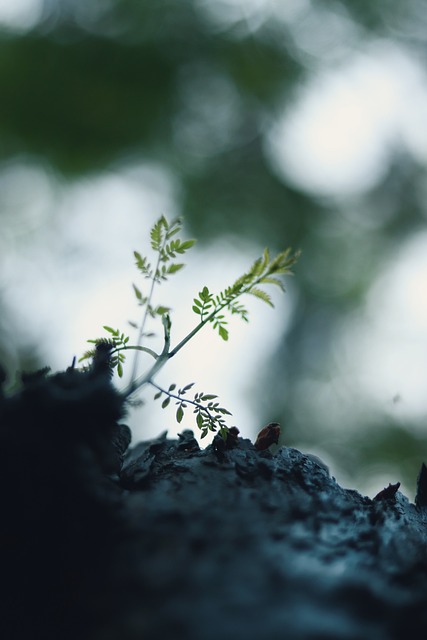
column 213, row 91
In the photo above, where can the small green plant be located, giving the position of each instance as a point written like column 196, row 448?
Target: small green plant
column 209, row 308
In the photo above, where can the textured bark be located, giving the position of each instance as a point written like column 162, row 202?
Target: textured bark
column 178, row 542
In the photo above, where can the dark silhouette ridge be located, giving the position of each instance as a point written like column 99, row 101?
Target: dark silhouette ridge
column 166, row 540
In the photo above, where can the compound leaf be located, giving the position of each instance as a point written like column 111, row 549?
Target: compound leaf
column 262, row 295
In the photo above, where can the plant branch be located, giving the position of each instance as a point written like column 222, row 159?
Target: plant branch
column 212, row 315
column 135, row 347
column 161, row 360
column 144, row 319
column 175, row 396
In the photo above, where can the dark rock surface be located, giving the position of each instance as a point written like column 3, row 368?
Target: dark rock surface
column 180, row 542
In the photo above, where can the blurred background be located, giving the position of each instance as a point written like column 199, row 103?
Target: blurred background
column 262, row 122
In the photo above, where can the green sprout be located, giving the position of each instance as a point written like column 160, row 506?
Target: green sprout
column 210, row 308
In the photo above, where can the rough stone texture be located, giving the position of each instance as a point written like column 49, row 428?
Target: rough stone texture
column 187, row 543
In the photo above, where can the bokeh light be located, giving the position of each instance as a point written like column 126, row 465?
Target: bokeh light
column 263, row 123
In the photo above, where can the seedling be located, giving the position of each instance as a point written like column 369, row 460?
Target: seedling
column 209, row 308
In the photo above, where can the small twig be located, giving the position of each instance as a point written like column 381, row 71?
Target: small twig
column 175, row 396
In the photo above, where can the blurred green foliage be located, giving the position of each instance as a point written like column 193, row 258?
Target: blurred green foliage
column 193, row 85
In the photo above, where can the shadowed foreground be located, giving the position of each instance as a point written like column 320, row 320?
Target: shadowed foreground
column 169, row 541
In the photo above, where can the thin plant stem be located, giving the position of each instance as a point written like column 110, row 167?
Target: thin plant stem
column 146, row 313
column 175, row 396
